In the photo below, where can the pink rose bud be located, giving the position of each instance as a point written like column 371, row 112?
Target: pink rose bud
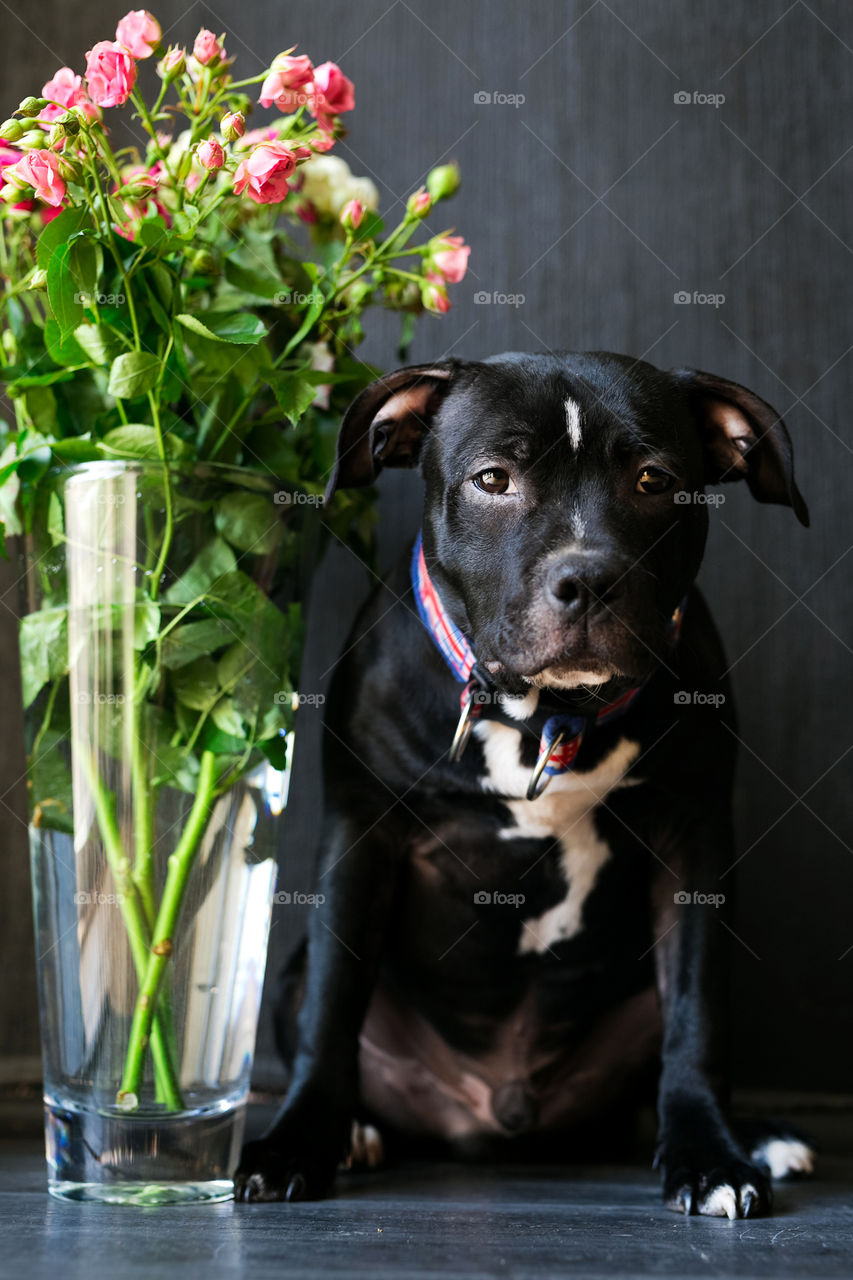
column 333, row 92
column 174, row 64
column 435, row 299
column 419, row 203
column 207, row 48
column 289, row 83
column 232, row 126
column 39, row 170
column 210, row 154
column 352, row 215
column 263, row 174
column 110, row 73
column 448, row 256
column 139, row 33
column 66, row 90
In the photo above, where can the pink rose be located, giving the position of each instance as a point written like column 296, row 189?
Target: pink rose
column 8, row 157
column 420, row 203
column 174, row 64
column 289, row 83
column 264, row 173
column 352, row 215
column 333, row 92
column 66, row 89
column 210, row 154
column 207, row 48
column 435, row 299
column 39, row 170
column 448, row 259
column 139, row 33
column 110, row 73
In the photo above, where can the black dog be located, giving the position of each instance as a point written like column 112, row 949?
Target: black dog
column 522, row 912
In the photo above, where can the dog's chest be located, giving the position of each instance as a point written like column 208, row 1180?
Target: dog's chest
column 564, row 814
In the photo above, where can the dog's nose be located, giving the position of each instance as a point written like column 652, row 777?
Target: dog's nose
column 579, row 588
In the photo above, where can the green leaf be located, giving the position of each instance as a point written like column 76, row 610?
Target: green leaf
column 197, row 684
column 293, row 393
column 212, row 563
column 152, row 232
column 172, row 765
column 240, row 327
column 249, row 521
column 76, row 449
column 43, row 641
column 146, row 623
column 10, row 487
column 185, row 221
column 133, row 374
column 50, row 790
column 62, row 350
column 97, row 341
column 59, row 230
column 195, row 640
column 226, row 717
column 137, row 440
column 255, row 283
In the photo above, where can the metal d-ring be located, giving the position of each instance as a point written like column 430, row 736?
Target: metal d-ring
column 464, row 727
column 533, row 788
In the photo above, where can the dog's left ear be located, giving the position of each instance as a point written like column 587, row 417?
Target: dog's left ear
column 384, row 426
column 744, row 439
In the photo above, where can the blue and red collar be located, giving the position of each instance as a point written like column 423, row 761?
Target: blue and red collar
column 561, row 735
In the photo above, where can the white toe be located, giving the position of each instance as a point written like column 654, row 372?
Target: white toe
column 784, row 1156
column 720, row 1202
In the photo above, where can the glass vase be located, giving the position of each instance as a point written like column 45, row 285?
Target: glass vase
column 159, row 642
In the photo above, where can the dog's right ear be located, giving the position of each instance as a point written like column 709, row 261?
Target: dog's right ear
column 385, row 425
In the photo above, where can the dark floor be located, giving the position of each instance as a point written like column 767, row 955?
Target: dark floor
column 444, row 1221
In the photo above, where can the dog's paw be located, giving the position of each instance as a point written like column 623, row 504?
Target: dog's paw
column 366, row 1150
column 294, row 1161
column 729, row 1188
column 784, row 1157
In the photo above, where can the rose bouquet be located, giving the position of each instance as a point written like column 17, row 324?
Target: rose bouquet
column 181, row 308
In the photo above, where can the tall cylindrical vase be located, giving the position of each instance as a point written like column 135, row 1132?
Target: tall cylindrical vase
column 158, row 649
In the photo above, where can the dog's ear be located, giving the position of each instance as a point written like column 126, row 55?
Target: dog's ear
column 744, row 438
column 384, row 426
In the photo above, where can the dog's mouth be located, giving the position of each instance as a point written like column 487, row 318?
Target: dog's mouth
column 583, row 672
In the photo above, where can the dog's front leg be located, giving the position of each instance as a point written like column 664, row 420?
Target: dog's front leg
column 704, row 1168
column 298, row 1155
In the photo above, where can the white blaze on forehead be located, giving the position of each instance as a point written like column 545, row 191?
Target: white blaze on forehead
column 573, row 422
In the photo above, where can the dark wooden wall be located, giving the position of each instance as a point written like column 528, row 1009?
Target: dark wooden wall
column 597, row 199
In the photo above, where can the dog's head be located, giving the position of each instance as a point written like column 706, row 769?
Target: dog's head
column 565, row 512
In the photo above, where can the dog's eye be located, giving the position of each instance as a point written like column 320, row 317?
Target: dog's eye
column 653, row 480
column 494, row 480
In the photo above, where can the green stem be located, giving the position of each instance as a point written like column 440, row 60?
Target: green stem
column 180, row 865
column 137, row 932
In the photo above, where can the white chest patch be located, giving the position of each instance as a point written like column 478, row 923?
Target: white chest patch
column 565, row 813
